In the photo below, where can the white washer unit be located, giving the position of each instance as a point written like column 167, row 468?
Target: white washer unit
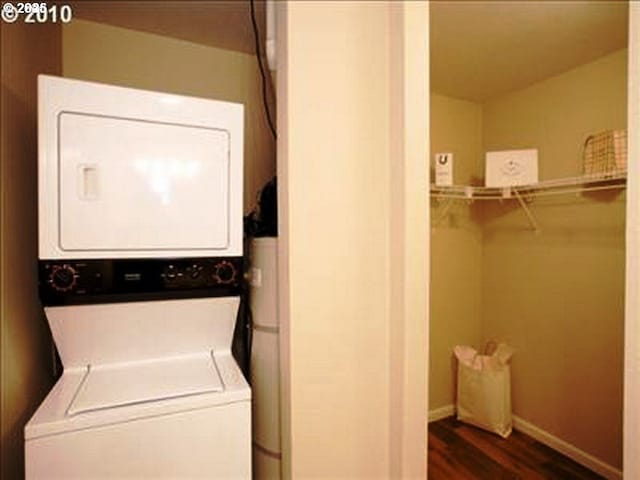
column 136, row 403
column 140, row 271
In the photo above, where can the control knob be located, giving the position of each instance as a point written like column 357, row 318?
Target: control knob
column 170, row 273
column 195, row 271
column 224, row 273
column 63, row 278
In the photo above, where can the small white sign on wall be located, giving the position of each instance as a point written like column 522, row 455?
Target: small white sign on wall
column 444, row 169
column 510, row 168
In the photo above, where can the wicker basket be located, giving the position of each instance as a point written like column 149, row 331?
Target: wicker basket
column 605, row 152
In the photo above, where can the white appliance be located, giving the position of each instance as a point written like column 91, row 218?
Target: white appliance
column 265, row 359
column 140, row 269
column 126, row 173
column 149, row 390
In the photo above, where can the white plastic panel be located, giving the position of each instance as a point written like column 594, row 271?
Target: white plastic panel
column 265, row 358
column 141, row 185
column 128, row 173
column 264, row 281
column 136, row 331
column 117, row 385
column 265, row 384
column 212, row 442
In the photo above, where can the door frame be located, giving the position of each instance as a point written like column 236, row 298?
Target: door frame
column 631, row 417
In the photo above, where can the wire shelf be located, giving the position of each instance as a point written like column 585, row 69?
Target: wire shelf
column 616, row 179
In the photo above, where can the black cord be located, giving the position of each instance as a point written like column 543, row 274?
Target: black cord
column 256, row 35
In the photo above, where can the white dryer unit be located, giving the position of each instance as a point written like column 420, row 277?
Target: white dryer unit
column 149, row 390
column 127, row 173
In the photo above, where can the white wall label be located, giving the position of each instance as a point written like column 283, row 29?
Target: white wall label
column 444, row 169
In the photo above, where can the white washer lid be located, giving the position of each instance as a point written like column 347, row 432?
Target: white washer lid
column 116, row 385
column 53, row 418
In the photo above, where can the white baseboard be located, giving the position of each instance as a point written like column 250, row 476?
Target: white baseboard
column 440, row 413
column 571, row 451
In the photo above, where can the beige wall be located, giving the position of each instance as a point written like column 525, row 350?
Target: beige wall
column 102, row 53
column 25, row 348
column 456, row 246
column 558, row 297
column 456, row 126
column 556, row 115
column 348, row 336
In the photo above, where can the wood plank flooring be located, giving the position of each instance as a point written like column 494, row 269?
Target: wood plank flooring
column 463, row 452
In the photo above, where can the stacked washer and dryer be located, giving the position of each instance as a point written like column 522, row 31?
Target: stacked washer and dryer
column 140, row 247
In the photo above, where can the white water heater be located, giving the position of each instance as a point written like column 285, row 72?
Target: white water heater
column 265, row 359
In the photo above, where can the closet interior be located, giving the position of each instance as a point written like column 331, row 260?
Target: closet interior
column 540, row 267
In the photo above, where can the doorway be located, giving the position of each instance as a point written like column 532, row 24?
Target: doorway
column 547, row 278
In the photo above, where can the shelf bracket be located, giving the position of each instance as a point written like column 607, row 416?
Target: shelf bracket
column 527, row 211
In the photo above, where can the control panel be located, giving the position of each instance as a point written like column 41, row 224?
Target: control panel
column 94, row 281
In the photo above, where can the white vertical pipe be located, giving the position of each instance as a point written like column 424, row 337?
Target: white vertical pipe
column 270, row 41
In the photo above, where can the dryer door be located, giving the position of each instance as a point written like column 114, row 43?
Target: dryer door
column 141, row 185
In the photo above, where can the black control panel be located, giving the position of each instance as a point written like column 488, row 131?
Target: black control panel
column 64, row 282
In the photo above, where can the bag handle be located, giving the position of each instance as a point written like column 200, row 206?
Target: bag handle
column 490, row 347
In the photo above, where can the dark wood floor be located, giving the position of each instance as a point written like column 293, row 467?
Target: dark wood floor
column 463, row 452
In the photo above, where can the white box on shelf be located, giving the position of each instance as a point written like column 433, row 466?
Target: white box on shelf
column 444, row 169
column 509, row 168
